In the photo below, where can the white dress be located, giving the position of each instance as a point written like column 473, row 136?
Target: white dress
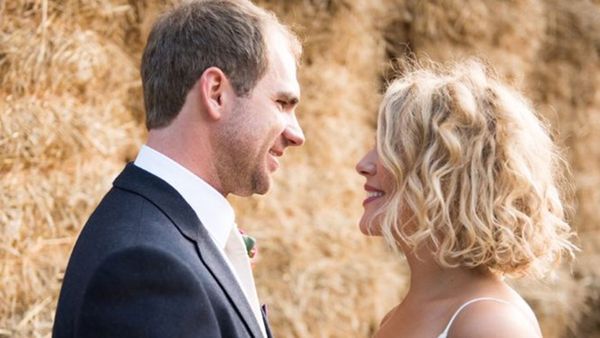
column 444, row 334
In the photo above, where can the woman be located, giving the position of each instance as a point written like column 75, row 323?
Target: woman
column 465, row 181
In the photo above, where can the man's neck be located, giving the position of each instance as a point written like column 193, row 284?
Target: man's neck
column 178, row 146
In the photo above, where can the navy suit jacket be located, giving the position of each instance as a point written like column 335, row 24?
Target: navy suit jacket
column 145, row 266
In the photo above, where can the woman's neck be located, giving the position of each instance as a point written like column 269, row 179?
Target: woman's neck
column 429, row 281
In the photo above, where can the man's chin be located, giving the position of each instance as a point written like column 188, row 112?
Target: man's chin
column 258, row 184
column 261, row 184
column 263, row 189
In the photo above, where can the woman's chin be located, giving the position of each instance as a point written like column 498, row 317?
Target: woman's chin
column 369, row 230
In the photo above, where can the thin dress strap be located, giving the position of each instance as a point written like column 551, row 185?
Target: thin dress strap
column 447, row 329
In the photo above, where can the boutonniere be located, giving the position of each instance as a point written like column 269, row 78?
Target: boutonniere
column 251, row 248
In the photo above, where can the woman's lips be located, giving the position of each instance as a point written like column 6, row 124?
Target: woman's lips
column 372, row 194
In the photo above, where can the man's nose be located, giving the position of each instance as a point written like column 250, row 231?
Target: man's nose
column 293, row 132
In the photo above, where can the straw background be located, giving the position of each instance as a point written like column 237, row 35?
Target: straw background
column 71, row 116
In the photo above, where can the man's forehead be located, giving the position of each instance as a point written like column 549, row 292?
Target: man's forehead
column 280, row 36
column 283, row 71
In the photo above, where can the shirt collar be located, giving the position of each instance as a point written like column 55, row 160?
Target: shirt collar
column 210, row 206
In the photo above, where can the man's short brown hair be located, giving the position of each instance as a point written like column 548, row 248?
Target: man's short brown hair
column 196, row 35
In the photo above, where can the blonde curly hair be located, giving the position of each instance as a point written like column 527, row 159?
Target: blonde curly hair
column 475, row 169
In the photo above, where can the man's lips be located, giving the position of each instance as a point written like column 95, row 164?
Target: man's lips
column 276, row 153
column 273, row 163
column 372, row 194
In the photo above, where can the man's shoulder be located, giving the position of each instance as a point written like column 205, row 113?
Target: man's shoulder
column 134, row 288
column 124, row 204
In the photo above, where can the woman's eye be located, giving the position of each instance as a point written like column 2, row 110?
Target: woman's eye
column 281, row 104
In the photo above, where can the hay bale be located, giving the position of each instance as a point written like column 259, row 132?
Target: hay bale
column 41, row 213
column 508, row 33
column 319, row 275
column 67, row 124
column 567, row 91
column 71, row 115
column 44, row 131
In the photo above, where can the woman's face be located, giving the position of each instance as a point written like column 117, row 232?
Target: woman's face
column 379, row 183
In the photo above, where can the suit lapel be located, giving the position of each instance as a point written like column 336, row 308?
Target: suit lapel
column 263, row 311
column 170, row 202
column 213, row 259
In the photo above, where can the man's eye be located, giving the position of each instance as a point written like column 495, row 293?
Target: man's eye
column 281, row 104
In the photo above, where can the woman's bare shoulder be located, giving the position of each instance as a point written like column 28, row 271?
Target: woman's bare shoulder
column 493, row 319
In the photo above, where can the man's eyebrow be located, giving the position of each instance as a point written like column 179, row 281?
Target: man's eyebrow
column 289, row 97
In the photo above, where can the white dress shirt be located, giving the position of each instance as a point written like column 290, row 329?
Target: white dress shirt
column 210, row 206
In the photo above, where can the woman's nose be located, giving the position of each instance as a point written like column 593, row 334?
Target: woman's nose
column 367, row 166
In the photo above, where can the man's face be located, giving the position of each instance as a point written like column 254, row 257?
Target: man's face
column 260, row 126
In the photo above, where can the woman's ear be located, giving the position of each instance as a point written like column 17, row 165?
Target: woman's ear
column 214, row 89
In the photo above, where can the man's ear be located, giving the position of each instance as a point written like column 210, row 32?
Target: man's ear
column 214, row 89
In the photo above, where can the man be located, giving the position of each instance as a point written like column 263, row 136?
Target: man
column 157, row 257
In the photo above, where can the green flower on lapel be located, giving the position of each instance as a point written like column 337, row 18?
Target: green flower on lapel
column 251, row 248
